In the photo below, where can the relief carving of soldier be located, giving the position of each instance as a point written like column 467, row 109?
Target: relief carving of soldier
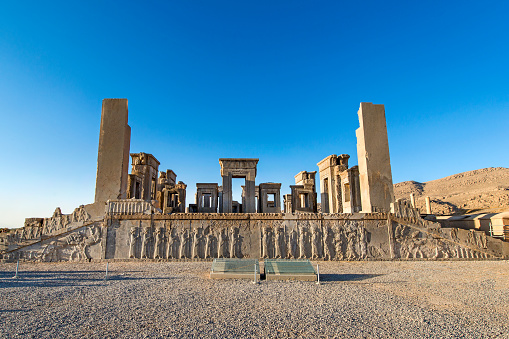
column 132, row 241
column 351, row 238
column 315, row 243
column 278, row 243
column 291, row 251
column 363, row 242
column 145, row 240
column 233, row 242
column 328, row 244
column 302, row 242
column 339, row 241
column 157, row 243
column 221, row 243
column 173, row 244
column 196, row 242
column 209, row 239
column 184, row 238
column 265, row 242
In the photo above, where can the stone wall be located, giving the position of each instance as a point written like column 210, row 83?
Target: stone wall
column 360, row 236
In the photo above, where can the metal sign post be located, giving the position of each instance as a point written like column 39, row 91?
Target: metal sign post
column 255, row 272
column 17, row 268
column 317, row 275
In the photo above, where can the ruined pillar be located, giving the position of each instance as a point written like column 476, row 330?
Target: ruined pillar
column 428, row 205
column 227, row 193
column 113, row 155
column 249, row 204
column 412, row 200
column 375, row 174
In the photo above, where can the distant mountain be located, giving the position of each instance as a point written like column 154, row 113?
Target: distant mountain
column 481, row 191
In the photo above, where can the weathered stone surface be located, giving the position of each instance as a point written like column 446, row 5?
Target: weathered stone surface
column 269, row 198
column 206, row 197
column 339, row 185
column 303, row 196
column 142, row 183
column 113, row 155
column 238, row 168
column 376, row 236
column 375, row 174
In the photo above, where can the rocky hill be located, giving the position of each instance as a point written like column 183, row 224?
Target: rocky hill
column 481, row 191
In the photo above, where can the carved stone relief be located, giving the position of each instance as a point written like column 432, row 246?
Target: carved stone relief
column 306, row 238
column 413, row 243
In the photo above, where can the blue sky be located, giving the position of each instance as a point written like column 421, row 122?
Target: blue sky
column 277, row 80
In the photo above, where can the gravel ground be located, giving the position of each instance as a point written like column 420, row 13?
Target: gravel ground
column 422, row 299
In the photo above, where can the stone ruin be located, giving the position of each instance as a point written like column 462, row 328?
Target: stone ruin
column 143, row 215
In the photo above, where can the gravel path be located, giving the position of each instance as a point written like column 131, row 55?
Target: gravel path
column 422, row 299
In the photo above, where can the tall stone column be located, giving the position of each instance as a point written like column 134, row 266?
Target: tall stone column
column 428, row 205
column 338, row 196
column 249, row 199
column 324, row 192
column 227, row 193
column 412, row 200
column 375, row 174
column 113, row 155
column 220, row 198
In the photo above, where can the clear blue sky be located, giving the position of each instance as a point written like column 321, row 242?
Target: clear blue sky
column 277, row 80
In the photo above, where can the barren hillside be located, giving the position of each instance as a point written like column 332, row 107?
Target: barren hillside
column 484, row 190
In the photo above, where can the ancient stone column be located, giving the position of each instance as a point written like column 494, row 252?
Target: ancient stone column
column 227, row 193
column 249, row 205
column 113, row 155
column 412, row 199
column 375, row 174
column 428, row 205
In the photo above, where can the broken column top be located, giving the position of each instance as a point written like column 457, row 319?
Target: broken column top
column 334, row 160
column 144, row 159
column 343, row 160
column 304, row 176
column 327, row 162
column 172, row 177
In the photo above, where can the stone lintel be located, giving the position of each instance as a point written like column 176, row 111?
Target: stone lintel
column 207, row 185
column 269, row 185
column 238, row 167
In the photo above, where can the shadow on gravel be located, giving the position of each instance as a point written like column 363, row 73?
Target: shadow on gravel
column 43, row 274
column 69, row 278
column 347, row 277
column 48, row 274
column 6, row 311
column 17, row 283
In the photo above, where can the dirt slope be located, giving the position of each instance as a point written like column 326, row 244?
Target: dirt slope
column 480, row 191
